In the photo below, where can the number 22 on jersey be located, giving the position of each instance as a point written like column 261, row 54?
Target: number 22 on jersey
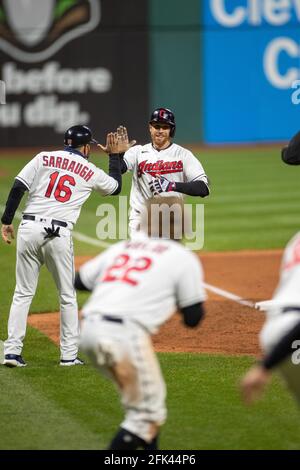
column 62, row 192
column 127, row 269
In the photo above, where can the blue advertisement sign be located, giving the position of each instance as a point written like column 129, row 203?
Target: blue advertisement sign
column 251, row 70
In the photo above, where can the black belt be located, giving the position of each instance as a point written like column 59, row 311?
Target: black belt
column 290, row 309
column 110, row 318
column 53, row 221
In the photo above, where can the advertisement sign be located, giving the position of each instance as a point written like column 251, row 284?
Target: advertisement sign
column 70, row 62
column 250, row 63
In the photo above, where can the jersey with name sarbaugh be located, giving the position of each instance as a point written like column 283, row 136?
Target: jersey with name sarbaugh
column 143, row 280
column 60, row 182
column 175, row 163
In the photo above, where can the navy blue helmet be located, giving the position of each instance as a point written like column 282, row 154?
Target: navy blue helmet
column 76, row 136
column 164, row 116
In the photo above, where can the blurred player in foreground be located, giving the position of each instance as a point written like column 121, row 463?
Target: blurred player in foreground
column 136, row 286
column 280, row 336
column 290, row 154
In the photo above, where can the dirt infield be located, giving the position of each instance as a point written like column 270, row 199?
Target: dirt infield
column 228, row 327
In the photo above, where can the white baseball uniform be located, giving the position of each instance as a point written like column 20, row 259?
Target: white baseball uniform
column 137, row 286
column 284, row 311
column 59, row 183
column 145, row 162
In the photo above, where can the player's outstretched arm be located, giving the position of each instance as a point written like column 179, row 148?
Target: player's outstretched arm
column 121, row 141
column 254, row 383
column 118, row 143
column 124, row 145
column 106, row 148
column 193, row 314
column 160, row 184
column 7, row 233
column 14, row 198
column 78, row 284
column 114, row 160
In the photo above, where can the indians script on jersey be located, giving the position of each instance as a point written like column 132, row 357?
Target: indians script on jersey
column 160, row 167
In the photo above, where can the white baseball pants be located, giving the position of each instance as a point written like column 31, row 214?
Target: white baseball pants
column 124, row 353
column 134, row 227
column 33, row 250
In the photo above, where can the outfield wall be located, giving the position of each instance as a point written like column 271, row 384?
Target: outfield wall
column 226, row 68
column 250, row 61
column 70, row 62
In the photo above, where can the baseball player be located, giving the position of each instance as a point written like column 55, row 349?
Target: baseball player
column 136, row 286
column 280, row 335
column 161, row 167
column 58, row 183
column 290, row 154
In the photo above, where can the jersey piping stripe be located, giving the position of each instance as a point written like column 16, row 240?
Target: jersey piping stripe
column 146, row 383
column 161, row 172
column 73, row 263
column 199, row 176
column 125, row 161
column 23, row 181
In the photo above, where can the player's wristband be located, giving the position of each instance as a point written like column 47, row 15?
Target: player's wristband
column 172, row 186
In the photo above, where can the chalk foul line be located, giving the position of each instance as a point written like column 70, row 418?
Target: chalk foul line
column 229, row 295
column 216, row 290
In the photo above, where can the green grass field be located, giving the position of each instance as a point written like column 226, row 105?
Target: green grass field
column 254, row 204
